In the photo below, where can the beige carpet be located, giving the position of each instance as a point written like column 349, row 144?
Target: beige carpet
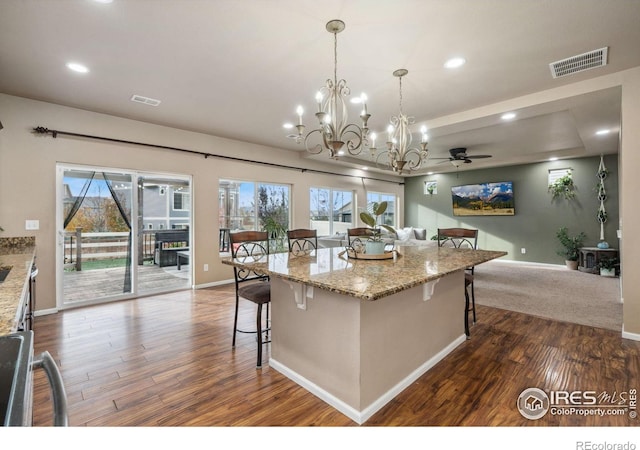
column 550, row 291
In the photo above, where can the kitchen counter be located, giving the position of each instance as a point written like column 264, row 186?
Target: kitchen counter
column 330, row 269
column 18, row 252
column 356, row 333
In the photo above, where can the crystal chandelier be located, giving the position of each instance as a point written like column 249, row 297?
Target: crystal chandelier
column 399, row 155
column 333, row 132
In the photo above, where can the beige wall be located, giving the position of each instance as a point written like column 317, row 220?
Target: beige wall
column 28, row 175
column 629, row 210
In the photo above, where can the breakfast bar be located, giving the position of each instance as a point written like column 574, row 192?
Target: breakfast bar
column 357, row 332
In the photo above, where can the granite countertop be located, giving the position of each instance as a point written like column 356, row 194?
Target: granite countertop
column 19, row 253
column 330, row 269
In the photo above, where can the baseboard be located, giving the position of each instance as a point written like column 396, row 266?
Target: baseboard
column 528, row 263
column 361, row 417
column 632, row 336
column 212, row 284
column 45, row 312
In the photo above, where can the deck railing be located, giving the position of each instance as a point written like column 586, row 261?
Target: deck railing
column 79, row 247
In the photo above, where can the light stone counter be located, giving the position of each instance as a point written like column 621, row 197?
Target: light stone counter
column 18, row 253
column 327, row 269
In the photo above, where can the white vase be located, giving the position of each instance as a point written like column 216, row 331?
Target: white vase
column 374, row 247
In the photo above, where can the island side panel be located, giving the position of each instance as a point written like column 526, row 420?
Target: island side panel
column 321, row 343
column 402, row 332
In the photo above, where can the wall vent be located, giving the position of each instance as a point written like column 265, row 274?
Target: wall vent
column 145, row 100
column 579, row 63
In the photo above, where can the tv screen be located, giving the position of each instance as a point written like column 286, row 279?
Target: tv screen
column 484, row 199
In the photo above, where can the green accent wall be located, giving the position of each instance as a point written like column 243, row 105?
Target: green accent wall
column 537, row 217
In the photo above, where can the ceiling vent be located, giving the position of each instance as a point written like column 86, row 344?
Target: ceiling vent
column 579, row 63
column 145, row 100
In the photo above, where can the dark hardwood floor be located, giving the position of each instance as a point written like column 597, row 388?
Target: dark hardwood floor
column 167, row 360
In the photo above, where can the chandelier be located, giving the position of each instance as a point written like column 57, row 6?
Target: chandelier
column 333, row 132
column 399, row 155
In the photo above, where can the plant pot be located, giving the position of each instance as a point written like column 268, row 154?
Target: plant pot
column 572, row 265
column 608, row 272
column 374, row 247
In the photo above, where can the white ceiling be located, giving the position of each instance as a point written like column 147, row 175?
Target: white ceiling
column 239, row 68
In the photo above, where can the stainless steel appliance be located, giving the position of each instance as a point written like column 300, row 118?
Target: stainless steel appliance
column 17, row 363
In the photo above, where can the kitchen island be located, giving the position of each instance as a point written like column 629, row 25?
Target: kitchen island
column 357, row 332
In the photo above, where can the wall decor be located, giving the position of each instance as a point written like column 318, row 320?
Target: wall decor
column 484, row 199
column 430, row 187
column 563, row 186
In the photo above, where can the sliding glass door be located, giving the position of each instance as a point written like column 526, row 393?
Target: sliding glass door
column 109, row 228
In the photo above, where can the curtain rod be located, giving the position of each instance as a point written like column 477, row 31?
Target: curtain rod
column 55, row 133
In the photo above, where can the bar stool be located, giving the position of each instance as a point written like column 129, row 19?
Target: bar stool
column 251, row 285
column 462, row 238
column 302, row 241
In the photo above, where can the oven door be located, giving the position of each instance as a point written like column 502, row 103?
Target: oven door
column 16, row 381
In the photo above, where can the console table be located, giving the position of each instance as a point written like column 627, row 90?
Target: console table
column 590, row 257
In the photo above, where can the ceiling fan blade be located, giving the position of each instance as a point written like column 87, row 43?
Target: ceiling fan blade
column 478, row 156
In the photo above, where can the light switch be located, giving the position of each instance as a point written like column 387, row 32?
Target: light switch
column 32, row 225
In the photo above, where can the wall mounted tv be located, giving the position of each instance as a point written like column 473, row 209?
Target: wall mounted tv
column 484, row 199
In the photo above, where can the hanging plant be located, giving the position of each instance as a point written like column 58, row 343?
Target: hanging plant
column 602, row 216
column 602, row 173
column 563, row 187
column 602, row 194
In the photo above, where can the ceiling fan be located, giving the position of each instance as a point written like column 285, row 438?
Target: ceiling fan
column 459, row 156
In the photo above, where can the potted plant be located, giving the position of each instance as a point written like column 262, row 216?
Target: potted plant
column 375, row 244
column 563, row 187
column 570, row 247
column 608, row 266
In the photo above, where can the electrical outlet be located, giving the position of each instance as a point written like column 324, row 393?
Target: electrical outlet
column 206, row 267
column 523, row 250
column 32, row 225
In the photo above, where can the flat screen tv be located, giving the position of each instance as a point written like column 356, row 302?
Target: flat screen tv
column 484, row 199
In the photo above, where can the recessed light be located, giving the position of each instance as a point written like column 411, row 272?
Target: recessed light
column 365, row 168
column 287, row 125
column 103, row 1
column 602, row 132
column 76, row 67
column 508, row 116
column 429, row 173
column 553, row 159
column 455, row 62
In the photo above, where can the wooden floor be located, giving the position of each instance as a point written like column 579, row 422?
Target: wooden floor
column 167, row 361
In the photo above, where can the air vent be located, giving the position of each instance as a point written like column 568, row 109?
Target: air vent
column 579, row 63
column 145, row 100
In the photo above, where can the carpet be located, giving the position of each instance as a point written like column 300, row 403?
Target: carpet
column 553, row 292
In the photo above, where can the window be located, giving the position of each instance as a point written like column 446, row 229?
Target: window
column 244, row 205
column 331, row 210
column 555, row 174
column 389, row 217
column 180, row 201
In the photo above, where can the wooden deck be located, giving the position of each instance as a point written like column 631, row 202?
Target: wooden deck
column 100, row 283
